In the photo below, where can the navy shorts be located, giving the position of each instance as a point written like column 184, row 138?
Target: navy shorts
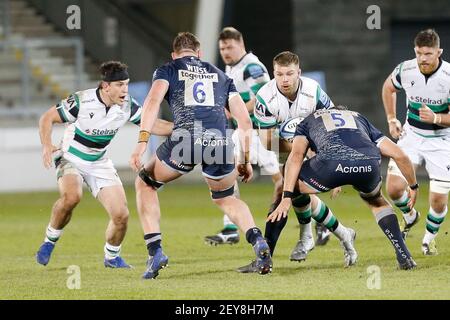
column 183, row 154
column 324, row 175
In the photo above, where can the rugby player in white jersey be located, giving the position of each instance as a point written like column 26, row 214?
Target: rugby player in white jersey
column 288, row 96
column 94, row 117
column 249, row 75
column 425, row 136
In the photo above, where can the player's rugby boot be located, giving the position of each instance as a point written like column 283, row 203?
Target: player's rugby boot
column 155, row 263
column 225, row 236
column 117, row 262
column 44, row 253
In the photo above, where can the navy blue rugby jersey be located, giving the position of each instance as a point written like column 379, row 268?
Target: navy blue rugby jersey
column 198, row 93
column 340, row 135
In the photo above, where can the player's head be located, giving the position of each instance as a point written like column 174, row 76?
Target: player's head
column 286, row 70
column 185, row 43
column 115, row 79
column 231, row 45
column 428, row 51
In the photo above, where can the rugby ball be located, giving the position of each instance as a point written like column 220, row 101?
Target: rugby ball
column 287, row 128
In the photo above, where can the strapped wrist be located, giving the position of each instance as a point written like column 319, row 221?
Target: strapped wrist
column 144, row 135
column 288, row 194
column 414, row 186
column 392, row 120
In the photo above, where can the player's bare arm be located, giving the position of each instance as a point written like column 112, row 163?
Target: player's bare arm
column 389, row 95
column 240, row 114
column 162, row 128
column 46, row 122
column 149, row 115
column 292, row 170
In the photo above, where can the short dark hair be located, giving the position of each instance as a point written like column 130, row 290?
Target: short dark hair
column 185, row 40
column 427, row 38
column 110, row 67
column 286, row 58
column 229, row 33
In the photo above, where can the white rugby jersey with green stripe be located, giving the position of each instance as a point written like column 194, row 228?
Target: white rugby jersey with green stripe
column 92, row 124
column 273, row 108
column 432, row 90
column 248, row 75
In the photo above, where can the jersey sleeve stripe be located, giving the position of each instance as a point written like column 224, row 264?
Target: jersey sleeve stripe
column 60, row 110
column 257, row 86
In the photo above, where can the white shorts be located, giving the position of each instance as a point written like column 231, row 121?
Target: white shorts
column 433, row 152
column 265, row 159
column 96, row 175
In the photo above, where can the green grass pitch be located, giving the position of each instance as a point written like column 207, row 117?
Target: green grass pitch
column 198, row 271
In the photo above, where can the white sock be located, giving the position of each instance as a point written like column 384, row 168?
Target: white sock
column 52, row 235
column 306, row 231
column 111, row 251
column 226, row 221
column 428, row 237
column 341, row 232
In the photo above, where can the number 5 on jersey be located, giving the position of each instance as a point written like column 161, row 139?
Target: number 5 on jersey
column 198, row 88
column 338, row 120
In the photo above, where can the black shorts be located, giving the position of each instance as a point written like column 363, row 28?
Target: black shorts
column 324, row 175
column 183, row 154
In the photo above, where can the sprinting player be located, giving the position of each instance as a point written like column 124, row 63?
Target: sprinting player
column 95, row 116
column 425, row 136
column 287, row 96
column 198, row 94
column 347, row 148
column 248, row 74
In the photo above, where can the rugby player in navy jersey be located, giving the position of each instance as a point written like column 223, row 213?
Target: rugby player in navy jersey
column 198, row 94
column 348, row 152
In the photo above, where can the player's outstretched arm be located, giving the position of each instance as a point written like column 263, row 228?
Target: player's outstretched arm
column 391, row 150
column 240, row 114
column 389, row 95
column 292, row 170
column 149, row 115
column 46, row 122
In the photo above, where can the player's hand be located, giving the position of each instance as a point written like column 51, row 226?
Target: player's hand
column 281, row 211
column 426, row 114
column 335, row 192
column 135, row 159
column 47, row 155
column 395, row 128
column 245, row 171
column 412, row 197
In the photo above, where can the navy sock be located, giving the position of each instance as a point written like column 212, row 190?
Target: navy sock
column 153, row 242
column 387, row 220
column 252, row 235
column 273, row 229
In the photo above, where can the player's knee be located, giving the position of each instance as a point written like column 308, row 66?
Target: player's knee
column 70, row 200
column 120, row 218
column 144, row 179
column 395, row 187
column 218, row 197
column 374, row 200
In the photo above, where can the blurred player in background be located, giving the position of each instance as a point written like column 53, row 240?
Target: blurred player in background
column 425, row 136
column 248, row 74
column 347, row 148
column 288, row 96
column 95, row 116
column 198, row 94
